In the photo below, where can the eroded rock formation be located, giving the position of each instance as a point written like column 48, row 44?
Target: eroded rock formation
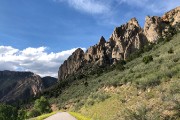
column 124, row 40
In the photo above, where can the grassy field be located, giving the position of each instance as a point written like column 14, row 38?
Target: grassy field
column 148, row 91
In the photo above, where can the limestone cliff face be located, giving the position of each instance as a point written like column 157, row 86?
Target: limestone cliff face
column 172, row 17
column 157, row 27
column 153, row 28
column 124, row 40
column 97, row 53
column 72, row 64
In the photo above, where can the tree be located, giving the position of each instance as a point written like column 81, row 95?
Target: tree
column 42, row 105
column 8, row 112
column 22, row 114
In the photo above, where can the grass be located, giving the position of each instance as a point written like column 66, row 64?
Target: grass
column 79, row 116
column 42, row 117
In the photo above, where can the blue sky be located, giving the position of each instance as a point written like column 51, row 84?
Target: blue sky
column 54, row 27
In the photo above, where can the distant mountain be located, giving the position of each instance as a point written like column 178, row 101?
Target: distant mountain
column 48, row 81
column 124, row 41
column 22, row 85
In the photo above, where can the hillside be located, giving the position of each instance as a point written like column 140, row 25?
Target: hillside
column 22, row 85
column 140, row 90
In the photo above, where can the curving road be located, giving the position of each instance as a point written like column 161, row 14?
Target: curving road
column 61, row 116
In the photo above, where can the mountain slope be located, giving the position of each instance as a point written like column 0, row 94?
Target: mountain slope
column 22, row 85
column 124, row 41
column 151, row 88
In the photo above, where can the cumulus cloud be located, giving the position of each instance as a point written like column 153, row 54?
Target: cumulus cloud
column 37, row 60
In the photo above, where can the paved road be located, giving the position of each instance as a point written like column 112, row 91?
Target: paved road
column 61, row 116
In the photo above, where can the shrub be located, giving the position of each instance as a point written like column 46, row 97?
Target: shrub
column 8, row 112
column 78, row 105
column 147, row 48
column 170, row 51
column 33, row 113
column 97, row 97
column 144, row 83
column 90, row 102
column 139, row 114
column 147, row 59
column 120, row 65
column 22, row 115
column 42, row 105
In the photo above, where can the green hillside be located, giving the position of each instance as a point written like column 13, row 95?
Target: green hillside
column 145, row 88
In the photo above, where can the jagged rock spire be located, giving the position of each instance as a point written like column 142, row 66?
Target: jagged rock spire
column 102, row 41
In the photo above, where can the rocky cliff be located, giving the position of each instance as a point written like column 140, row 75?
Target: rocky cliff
column 20, row 85
column 124, row 40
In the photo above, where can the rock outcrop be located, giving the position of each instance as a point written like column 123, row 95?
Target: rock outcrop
column 72, row 64
column 172, row 17
column 21, row 85
column 157, row 27
column 153, row 28
column 124, row 40
column 97, row 53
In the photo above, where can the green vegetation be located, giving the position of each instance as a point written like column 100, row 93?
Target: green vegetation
column 43, row 116
column 79, row 116
column 8, row 112
column 147, row 59
column 40, row 106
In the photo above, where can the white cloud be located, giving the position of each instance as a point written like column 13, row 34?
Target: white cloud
column 109, row 11
column 36, row 60
column 89, row 6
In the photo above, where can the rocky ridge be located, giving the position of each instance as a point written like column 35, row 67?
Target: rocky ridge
column 22, row 85
column 124, row 40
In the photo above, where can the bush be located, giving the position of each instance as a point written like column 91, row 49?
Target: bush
column 120, row 65
column 170, row 51
column 33, row 113
column 8, row 112
column 42, row 105
column 22, row 115
column 151, row 81
column 139, row 114
column 147, row 59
